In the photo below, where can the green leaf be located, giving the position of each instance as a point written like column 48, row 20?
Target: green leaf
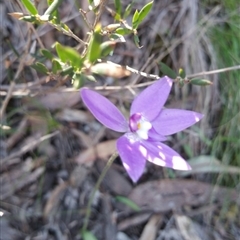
column 40, row 67
column 30, row 7
column 128, row 10
column 47, row 54
column 135, row 19
column 128, row 202
column 67, row 71
column 68, row 54
column 94, row 49
column 87, row 235
column 118, row 9
column 123, row 31
column 167, row 70
column 107, row 48
column 144, row 12
column 56, row 66
column 78, row 80
column 200, row 82
column 136, row 40
column 117, row 37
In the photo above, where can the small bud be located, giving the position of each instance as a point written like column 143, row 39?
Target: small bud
column 200, row 82
column 16, row 15
column 182, row 73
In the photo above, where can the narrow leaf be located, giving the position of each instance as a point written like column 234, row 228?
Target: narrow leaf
column 47, row 54
column 200, row 82
column 135, row 19
column 40, row 67
column 118, row 8
column 107, row 48
column 123, row 31
column 128, row 202
column 167, row 70
column 69, row 55
column 94, row 50
column 56, row 66
column 86, row 235
column 30, row 7
column 144, row 12
column 128, row 10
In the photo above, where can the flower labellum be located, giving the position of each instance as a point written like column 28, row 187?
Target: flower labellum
column 147, row 127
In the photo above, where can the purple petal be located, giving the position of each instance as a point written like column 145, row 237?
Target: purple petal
column 150, row 101
column 162, row 155
column 104, row 111
column 155, row 136
column 132, row 159
column 171, row 121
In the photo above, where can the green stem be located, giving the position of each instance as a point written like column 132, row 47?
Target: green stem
column 100, row 179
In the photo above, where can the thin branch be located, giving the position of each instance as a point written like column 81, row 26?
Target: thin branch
column 214, row 71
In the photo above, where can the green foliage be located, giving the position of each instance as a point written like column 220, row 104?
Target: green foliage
column 30, row 7
column 225, row 38
column 69, row 55
column 87, row 235
column 118, row 9
column 40, row 67
column 128, row 10
column 128, row 202
column 56, row 66
column 138, row 17
column 94, row 49
column 167, row 70
column 47, row 54
column 200, row 82
column 135, row 19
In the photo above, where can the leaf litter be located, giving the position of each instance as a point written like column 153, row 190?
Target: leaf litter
column 49, row 171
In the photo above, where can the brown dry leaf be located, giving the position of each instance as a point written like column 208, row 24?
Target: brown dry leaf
column 102, row 150
column 191, row 230
column 110, row 70
column 133, row 221
column 85, row 140
column 73, row 115
column 53, row 202
column 115, row 181
column 151, row 228
column 16, row 179
column 186, row 227
column 54, row 100
column 18, row 135
column 165, row 195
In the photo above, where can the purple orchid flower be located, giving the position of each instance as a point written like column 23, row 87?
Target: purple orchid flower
column 148, row 126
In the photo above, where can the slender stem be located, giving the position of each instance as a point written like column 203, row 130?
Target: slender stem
column 99, row 181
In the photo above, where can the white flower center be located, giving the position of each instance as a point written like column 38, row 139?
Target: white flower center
column 143, row 128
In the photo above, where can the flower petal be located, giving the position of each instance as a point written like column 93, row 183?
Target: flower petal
column 162, row 155
column 171, row 121
column 151, row 100
column 154, row 136
column 132, row 159
column 104, row 111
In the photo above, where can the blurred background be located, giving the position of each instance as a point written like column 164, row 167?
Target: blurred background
column 53, row 151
